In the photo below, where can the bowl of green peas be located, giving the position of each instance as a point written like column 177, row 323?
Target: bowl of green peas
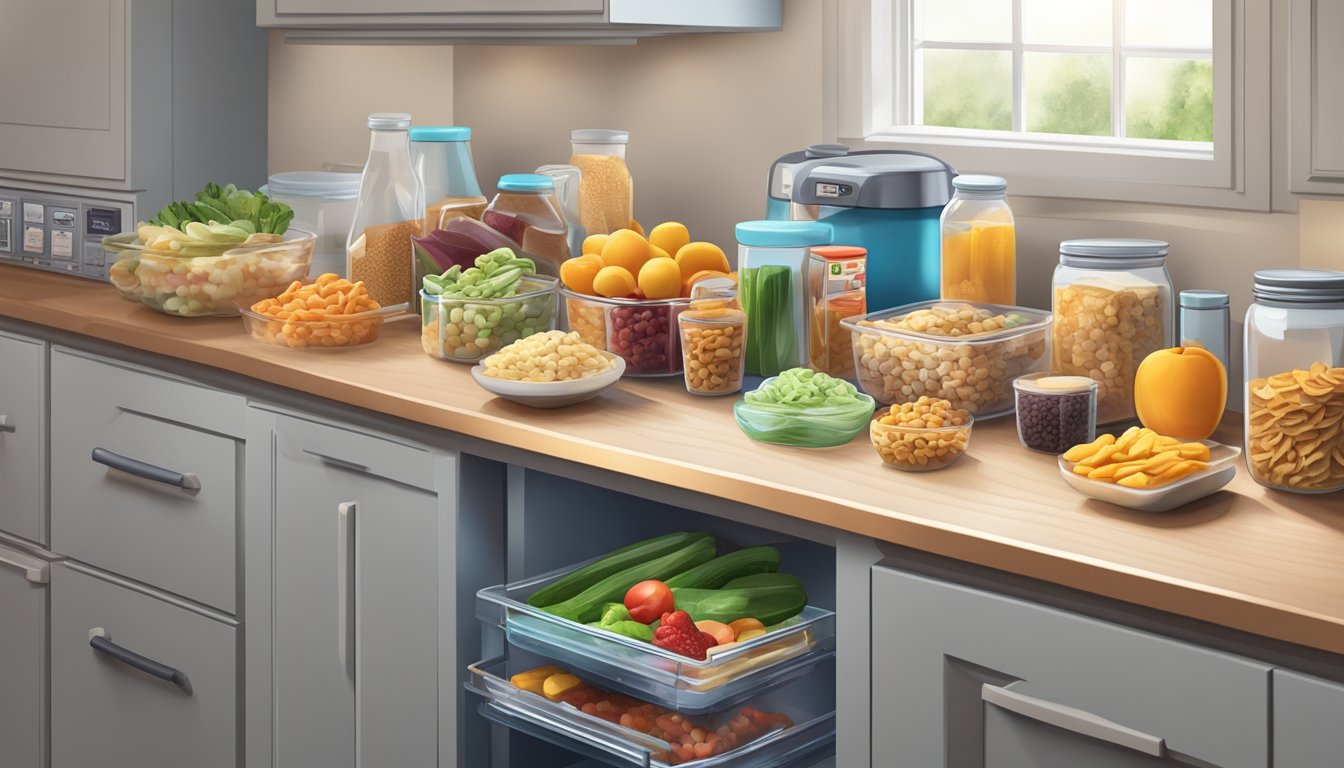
column 467, row 314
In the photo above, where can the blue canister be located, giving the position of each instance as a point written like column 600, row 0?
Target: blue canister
column 886, row 202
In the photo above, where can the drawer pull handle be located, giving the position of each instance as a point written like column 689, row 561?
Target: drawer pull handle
column 38, row 574
column 5, row 426
column 1078, row 721
column 187, row 481
column 101, row 642
column 345, row 585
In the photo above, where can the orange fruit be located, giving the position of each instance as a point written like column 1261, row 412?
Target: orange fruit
column 1181, row 392
column 627, row 249
column 670, row 236
column 698, row 257
column 593, row 244
column 613, row 282
column 660, row 279
column 577, row 273
column 634, row 224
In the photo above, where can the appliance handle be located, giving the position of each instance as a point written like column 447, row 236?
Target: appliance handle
column 101, row 641
column 1077, row 721
column 187, row 481
column 38, row 574
column 345, row 585
column 5, row 426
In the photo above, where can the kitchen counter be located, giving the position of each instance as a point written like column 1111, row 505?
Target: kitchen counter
column 1246, row 558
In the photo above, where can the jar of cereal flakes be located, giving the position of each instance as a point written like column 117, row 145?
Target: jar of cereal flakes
column 1113, row 307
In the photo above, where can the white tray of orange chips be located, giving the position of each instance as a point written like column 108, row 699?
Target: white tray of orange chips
column 1149, row 472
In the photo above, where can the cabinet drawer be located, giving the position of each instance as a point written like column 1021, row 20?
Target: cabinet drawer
column 22, row 436
column 967, row 678
column 147, row 477
column 1308, row 713
column 109, row 711
column 23, row 659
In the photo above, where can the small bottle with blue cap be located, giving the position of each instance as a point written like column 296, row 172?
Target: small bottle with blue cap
column 526, row 211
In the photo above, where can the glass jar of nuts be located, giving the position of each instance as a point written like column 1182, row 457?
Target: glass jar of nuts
column 713, row 343
column 1294, row 391
column 1112, row 307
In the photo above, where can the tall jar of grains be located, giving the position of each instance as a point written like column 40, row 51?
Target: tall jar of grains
column 606, row 191
column 389, row 211
column 1113, row 307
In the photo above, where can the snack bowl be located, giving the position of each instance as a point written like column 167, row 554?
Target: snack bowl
column 332, row 332
column 212, row 283
column 642, row 331
column 551, row 394
column 920, row 449
column 974, row 372
column 1222, row 467
column 818, row 427
column 466, row 330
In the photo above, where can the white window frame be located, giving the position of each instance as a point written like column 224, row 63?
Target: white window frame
column 868, row 45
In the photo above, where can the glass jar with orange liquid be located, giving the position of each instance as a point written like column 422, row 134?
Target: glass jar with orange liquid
column 979, row 242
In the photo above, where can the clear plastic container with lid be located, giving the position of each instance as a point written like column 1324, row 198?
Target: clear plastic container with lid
column 836, row 276
column 324, row 204
column 1113, row 307
column 1294, row 391
column 390, row 211
column 442, row 158
column 526, row 210
column 1054, row 412
column 979, row 242
column 772, row 264
column 606, row 191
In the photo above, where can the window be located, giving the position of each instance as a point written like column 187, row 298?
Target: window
column 1145, row 100
column 1126, row 69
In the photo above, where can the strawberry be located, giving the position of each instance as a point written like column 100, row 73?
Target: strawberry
column 677, row 633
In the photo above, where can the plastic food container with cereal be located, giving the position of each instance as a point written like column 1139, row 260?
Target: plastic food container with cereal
column 1113, row 307
column 835, row 285
column 467, row 329
column 642, row 331
column 1294, row 393
column 389, row 211
column 963, row 352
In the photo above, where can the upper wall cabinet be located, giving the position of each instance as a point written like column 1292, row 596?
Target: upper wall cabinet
column 1316, row 96
column 511, row 21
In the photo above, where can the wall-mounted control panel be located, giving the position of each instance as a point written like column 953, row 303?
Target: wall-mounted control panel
column 59, row 233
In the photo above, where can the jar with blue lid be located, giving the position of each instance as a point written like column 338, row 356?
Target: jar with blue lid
column 772, row 274
column 527, row 211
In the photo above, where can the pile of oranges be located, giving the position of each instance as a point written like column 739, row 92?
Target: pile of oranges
column 625, row 264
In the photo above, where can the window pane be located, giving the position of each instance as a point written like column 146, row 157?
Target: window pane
column 1068, row 93
column 968, row 89
column 1067, row 22
column 980, row 21
column 1169, row 99
column 1183, row 23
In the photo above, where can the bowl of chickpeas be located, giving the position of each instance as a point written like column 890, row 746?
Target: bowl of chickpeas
column 551, row 369
column 920, row 436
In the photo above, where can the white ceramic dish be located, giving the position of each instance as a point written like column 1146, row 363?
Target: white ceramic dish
column 1222, row 467
column 551, row 394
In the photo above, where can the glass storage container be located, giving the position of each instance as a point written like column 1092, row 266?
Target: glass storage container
column 442, row 159
column 713, row 340
column 1054, row 412
column 606, row 191
column 835, row 290
column 979, row 242
column 390, row 211
column 1294, row 392
column 526, row 211
column 772, row 261
column 466, row 330
column 1113, row 307
column 324, row 204
column 641, row 331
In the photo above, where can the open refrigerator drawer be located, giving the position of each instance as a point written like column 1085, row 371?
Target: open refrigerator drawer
column 787, row 651
column 792, row 725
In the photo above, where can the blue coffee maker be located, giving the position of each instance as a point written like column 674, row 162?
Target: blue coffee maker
column 887, row 201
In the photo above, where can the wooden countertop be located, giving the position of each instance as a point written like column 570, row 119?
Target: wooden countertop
column 1255, row 560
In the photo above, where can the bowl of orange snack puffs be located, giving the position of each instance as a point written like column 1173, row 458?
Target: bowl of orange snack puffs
column 328, row 313
column 1146, row 471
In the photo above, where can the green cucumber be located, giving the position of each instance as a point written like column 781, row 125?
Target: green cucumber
column 757, row 580
column 587, row 605
column 767, row 604
column 610, row 563
column 724, row 568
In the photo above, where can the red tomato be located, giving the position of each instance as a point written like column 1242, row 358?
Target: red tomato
column 647, row 601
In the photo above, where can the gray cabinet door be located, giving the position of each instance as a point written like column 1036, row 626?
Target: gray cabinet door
column 23, row 436
column 969, row 679
column 1316, row 96
column 23, row 660
column 1308, row 721
column 355, row 600
column 64, row 110
column 108, row 708
column 436, row 7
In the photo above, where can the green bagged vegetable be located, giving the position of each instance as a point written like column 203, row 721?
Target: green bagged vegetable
column 615, row 618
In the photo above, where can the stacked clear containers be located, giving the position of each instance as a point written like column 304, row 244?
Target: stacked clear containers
column 527, row 211
column 836, row 275
column 389, row 212
column 324, row 204
column 772, row 259
column 979, row 242
column 1294, row 391
column 1113, row 307
column 606, row 191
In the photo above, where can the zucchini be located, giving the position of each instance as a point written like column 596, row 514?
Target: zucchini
column 754, row 580
column 587, row 606
column 610, row 563
column 768, row 604
column 724, row 568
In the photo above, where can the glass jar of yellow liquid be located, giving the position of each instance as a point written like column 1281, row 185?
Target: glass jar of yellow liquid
column 979, row 242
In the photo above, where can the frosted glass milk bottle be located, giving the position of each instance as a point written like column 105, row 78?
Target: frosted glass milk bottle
column 389, row 211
